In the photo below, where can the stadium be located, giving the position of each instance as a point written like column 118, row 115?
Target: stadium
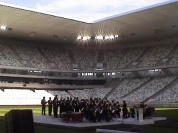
column 130, row 57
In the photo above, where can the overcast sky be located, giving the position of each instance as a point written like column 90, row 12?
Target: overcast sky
column 85, row 10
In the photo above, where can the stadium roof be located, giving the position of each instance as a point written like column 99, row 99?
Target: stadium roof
column 82, row 10
column 153, row 22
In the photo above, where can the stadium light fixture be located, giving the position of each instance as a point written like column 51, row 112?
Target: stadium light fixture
column 99, row 37
column 111, row 37
column 86, row 38
column 113, row 73
column 79, row 37
column 157, row 70
column 3, row 27
column 36, row 71
column 116, row 36
column 106, row 37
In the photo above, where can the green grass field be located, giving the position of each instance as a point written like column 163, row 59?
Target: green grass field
column 170, row 113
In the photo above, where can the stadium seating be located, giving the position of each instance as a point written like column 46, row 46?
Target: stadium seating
column 20, row 55
column 60, row 94
column 154, row 54
column 132, row 90
column 169, row 96
column 131, row 55
column 31, row 55
column 149, row 89
column 59, row 57
column 112, row 58
column 85, row 58
column 22, row 97
column 90, row 93
column 126, row 86
column 7, row 57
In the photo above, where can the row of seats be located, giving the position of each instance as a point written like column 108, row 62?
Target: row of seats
column 154, row 54
column 85, row 58
column 149, row 89
column 31, row 56
column 61, row 94
column 90, row 93
column 126, row 86
column 20, row 54
column 83, row 94
column 22, row 97
column 169, row 96
column 131, row 90
column 58, row 56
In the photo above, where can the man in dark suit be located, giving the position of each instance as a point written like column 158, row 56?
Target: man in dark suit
column 50, row 103
column 55, row 106
column 43, row 103
column 124, row 109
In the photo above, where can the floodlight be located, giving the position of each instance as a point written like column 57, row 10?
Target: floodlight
column 3, row 27
column 106, row 37
column 99, row 37
column 113, row 73
column 157, row 70
column 86, row 38
column 111, row 37
column 116, row 36
column 79, row 37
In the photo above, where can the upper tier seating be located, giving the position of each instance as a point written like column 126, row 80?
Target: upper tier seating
column 86, row 58
column 7, row 57
column 58, row 56
column 112, row 57
column 31, row 55
column 21, row 54
column 154, row 54
column 131, row 55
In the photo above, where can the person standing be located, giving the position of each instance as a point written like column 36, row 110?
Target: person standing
column 50, row 103
column 124, row 109
column 55, row 106
column 43, row 103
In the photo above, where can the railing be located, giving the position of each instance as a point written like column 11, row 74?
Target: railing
column 9, row 71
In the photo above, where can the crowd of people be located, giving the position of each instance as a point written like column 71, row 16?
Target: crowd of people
column 93, row 109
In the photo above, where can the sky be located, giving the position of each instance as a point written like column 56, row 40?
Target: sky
column 85, row 10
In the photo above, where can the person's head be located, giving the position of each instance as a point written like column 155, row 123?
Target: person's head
column 43, row 97
column 49, row 98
